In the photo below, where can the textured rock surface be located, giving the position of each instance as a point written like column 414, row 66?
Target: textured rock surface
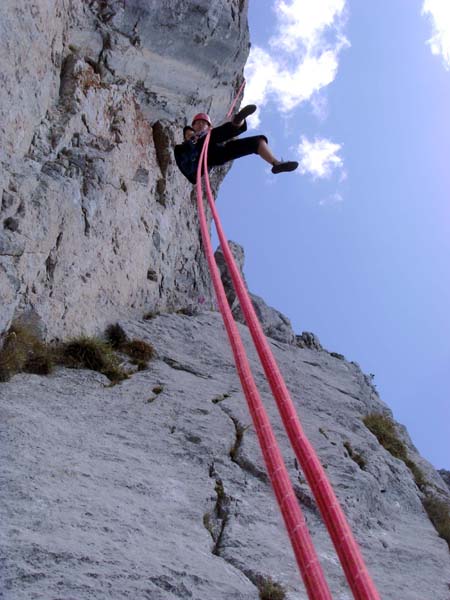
column 95, row 219
column 274, row 323
column 445, row 476
column 308, row 340
column 117, row 492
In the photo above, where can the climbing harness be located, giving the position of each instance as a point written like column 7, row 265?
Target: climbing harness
column 346, row 547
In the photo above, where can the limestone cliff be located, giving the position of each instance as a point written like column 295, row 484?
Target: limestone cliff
column 155, row 488
column 96, row 221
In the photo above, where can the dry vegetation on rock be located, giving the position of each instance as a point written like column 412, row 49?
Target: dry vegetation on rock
column 270, row 589
column 383, row 427
column 91, row 353
column 438, row 510
column 23, row 351
column 140, row 352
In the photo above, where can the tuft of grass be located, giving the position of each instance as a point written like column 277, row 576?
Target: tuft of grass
column 419, row 477
column 116, row 336
column 220, row 490
column 40, row 363
column 23, row 351
column 12, row 356
column 270, row 589
column 439, row 514
column 157, row 389
column 141, row 365
column 139, row 351
column 239, row 438
column 355, row 456
column 91, row 353
column 383, row 428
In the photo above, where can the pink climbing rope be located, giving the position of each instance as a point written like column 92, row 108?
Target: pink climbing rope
column 297, row 529
column 346, row 546
column 236, row 98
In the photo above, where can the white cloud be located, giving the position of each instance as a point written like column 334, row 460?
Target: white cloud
column 319, row 105
column 303, row 54
column 302, row 23
column 320, row 158
column 439, row 12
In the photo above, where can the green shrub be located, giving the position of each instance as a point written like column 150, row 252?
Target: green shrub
column 23, row 351
column 270, row 589
column 439, row 513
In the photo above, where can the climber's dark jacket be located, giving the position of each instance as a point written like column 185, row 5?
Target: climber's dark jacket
column 221, row 148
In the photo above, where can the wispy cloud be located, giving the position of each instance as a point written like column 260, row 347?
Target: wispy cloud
column 333, row 200
column 319, row 106
column 303, row 54
column 439, row 13
column 320, row 158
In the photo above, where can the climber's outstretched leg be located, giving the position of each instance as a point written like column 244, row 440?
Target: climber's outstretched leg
column 263, row 149
column 278, row 166
column 257, row 144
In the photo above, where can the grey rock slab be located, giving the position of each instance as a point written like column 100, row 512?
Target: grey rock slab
column 126, row 491
column 102, row 493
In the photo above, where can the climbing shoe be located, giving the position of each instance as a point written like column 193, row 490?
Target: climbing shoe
column 244, row 113
column 285, row 167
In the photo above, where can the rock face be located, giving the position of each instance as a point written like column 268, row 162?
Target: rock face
column 95, row 220
column 445, row 476
column 155, row 488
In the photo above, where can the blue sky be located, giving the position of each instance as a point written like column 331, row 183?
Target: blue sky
column 354, row 246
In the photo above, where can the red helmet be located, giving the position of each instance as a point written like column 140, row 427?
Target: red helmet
column 202, row 117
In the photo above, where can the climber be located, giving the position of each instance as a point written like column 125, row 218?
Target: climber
column 222, row 148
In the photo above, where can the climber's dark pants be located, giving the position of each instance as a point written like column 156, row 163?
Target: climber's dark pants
column 220, row 153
